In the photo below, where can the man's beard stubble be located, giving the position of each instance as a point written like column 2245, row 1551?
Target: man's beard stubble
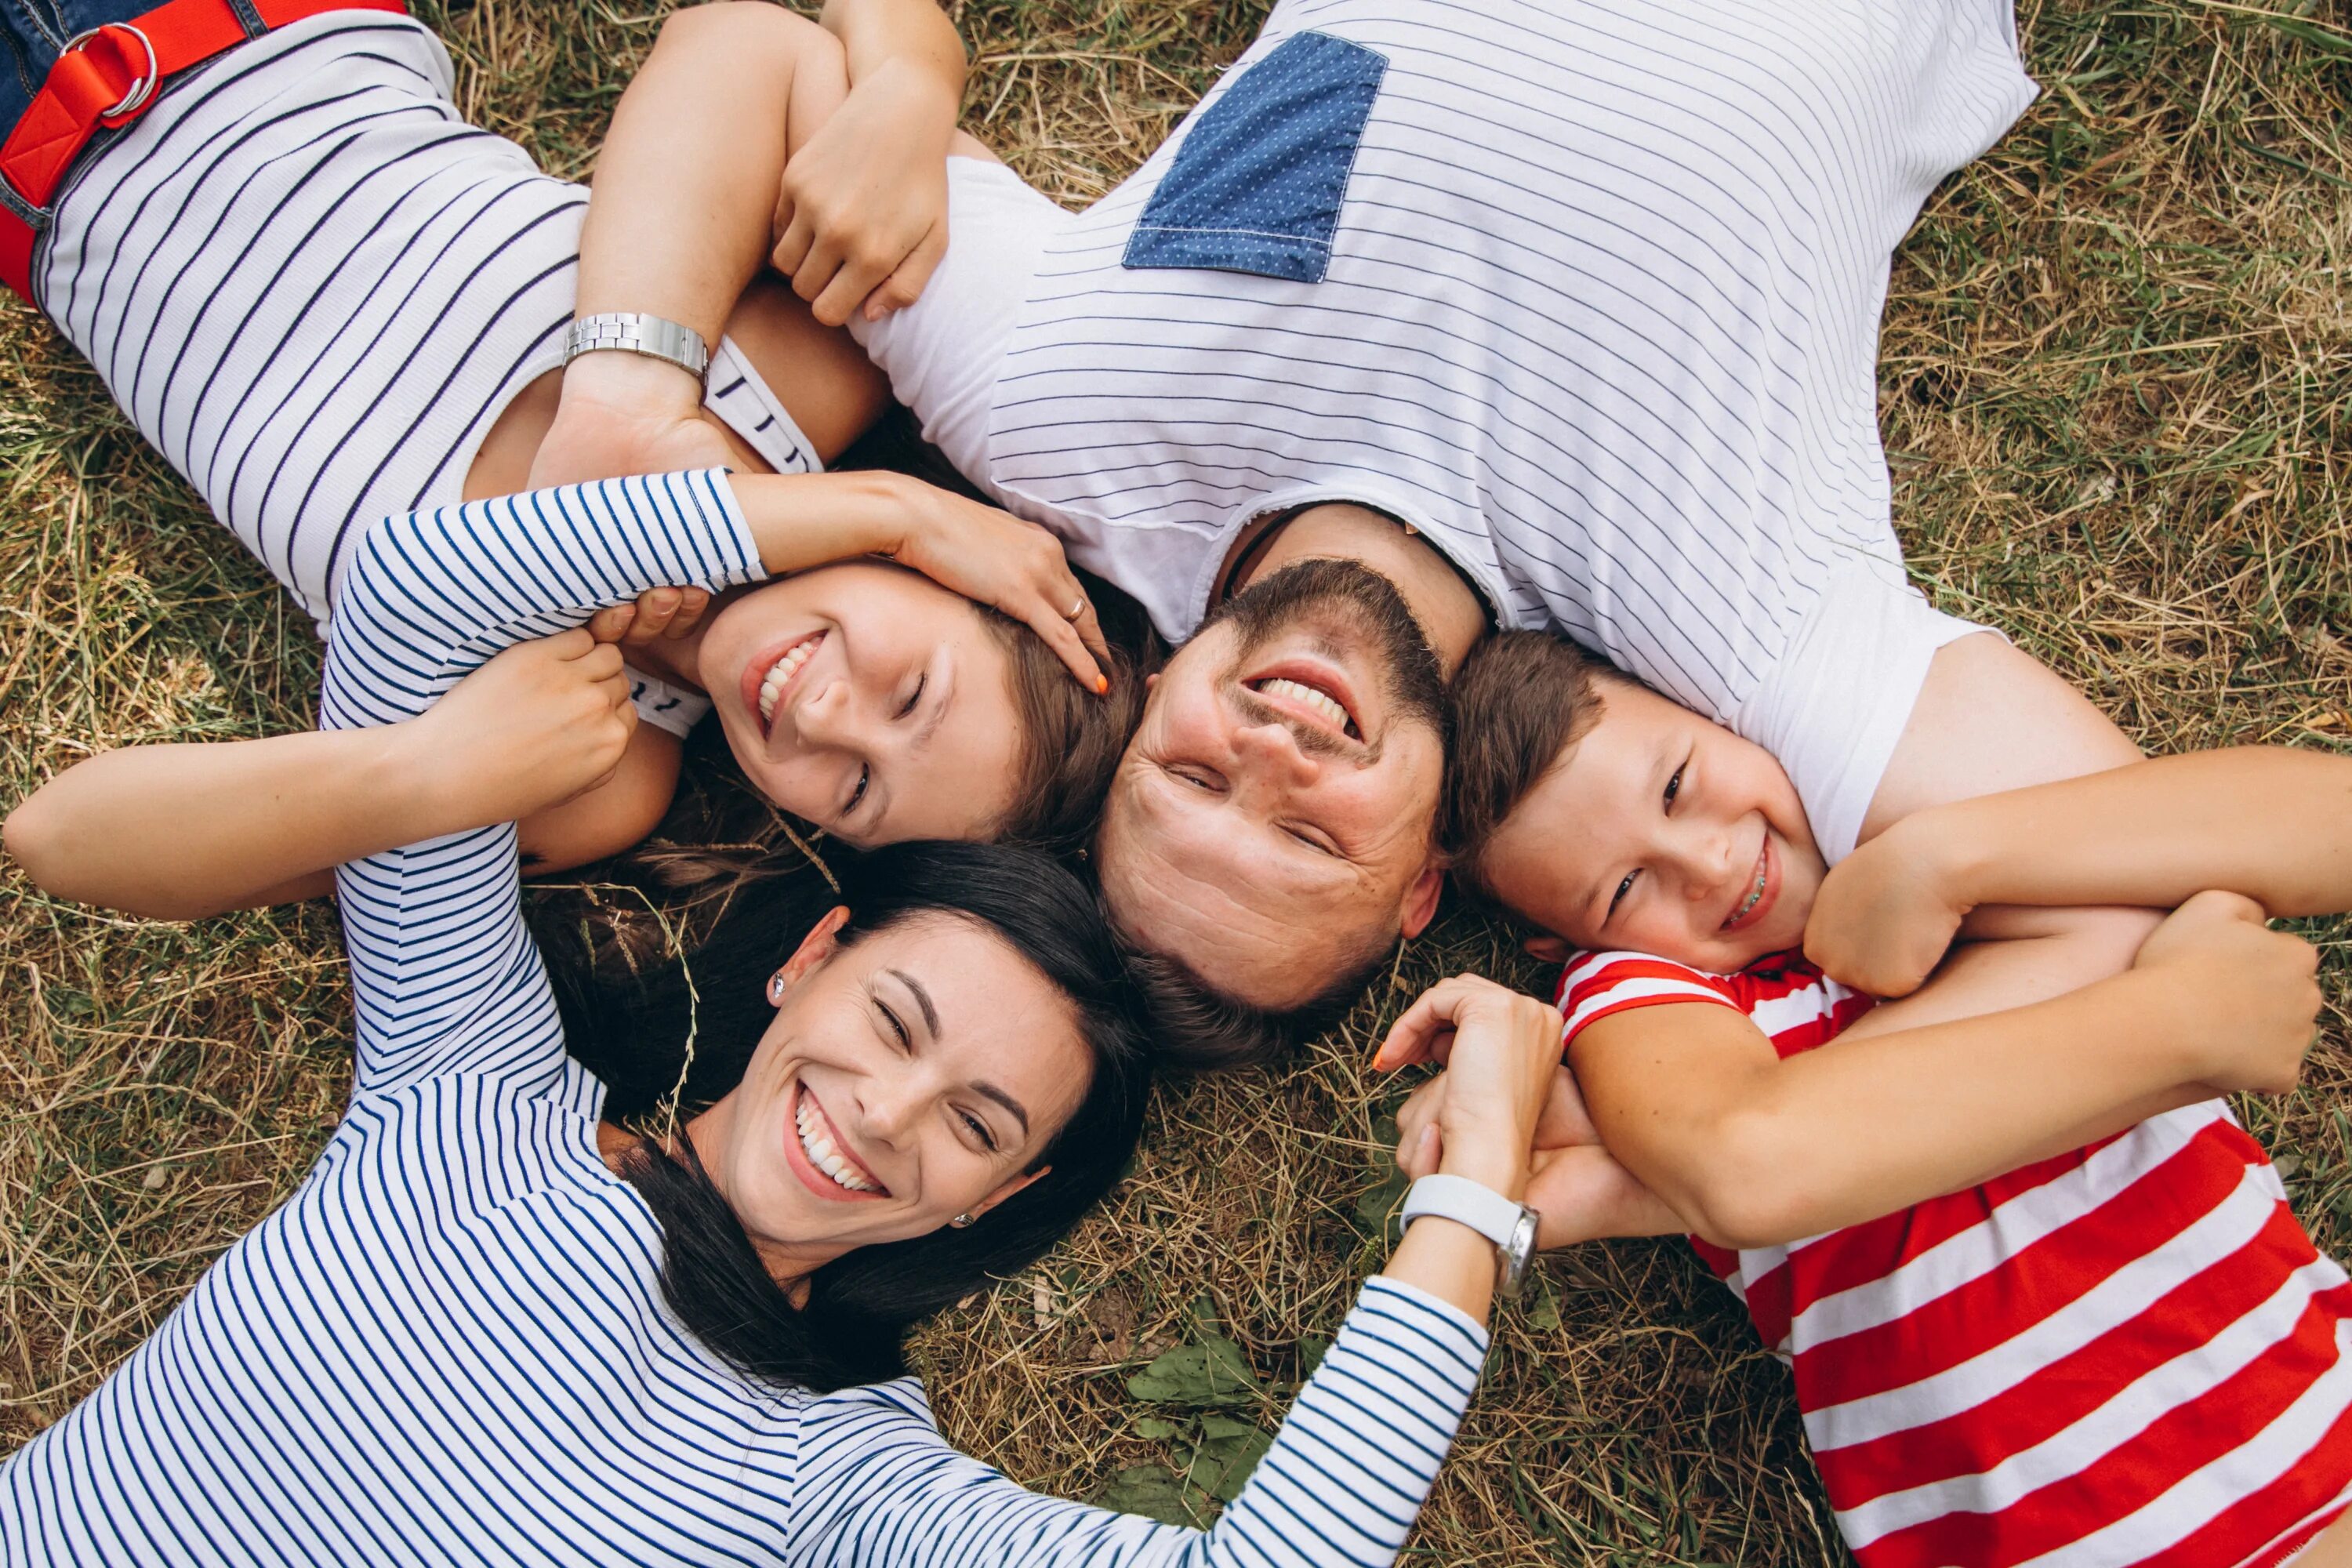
column 1412, row 680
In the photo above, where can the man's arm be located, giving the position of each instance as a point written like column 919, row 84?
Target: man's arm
column 1756, row 1150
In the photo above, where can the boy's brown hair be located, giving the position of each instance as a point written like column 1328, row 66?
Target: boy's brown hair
column 1520, row 701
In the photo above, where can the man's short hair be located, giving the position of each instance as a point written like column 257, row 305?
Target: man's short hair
column 1521, row 700
column 1194, row 1028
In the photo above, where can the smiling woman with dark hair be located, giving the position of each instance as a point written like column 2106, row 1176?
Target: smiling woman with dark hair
column 493, row 1327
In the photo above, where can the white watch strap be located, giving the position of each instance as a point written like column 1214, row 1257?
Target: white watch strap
column 1459, row 1198
column 632, row 332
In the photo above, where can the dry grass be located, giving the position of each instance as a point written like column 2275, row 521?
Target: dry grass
column 2118, row 393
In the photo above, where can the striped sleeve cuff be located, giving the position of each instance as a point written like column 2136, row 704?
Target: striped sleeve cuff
column 1597, row 986
column 431, row 595
column 1354, row 1461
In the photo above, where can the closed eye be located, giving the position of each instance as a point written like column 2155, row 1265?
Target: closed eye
column 1198, row 779
column 1623, row 888
column 915, row 696
column 1312, row 842
column 906, row 1041
column 980, row 1130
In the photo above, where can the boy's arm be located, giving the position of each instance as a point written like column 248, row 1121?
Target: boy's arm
column 180, row 832
column 2268, row 822
column 1757, row 1150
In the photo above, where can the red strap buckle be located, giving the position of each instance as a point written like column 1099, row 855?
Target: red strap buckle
column 142, row 87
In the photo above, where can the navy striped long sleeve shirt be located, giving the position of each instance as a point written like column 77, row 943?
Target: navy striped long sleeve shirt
column 449, row 1346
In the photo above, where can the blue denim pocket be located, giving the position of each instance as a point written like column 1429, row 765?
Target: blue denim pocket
column 1256, row 187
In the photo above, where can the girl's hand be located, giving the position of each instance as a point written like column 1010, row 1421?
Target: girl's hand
column 657, row 614
column 1887, row 913
column 539, row 723
column 862, row 216
column 2249, row 994
column 1501, row 1052
column 994, row 558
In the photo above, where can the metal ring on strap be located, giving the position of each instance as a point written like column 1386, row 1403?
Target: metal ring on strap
column 140, row 90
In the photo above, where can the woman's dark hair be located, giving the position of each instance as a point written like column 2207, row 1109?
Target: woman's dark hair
column 634, row 1034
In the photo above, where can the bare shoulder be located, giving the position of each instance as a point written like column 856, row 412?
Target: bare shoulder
column 1990, row 718
column 964, row 145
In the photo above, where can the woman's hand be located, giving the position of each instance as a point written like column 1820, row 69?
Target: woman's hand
column 1501, row 1053
column 1581, row 1190
column 2250, row 992
column 1562, row 1123
column 539, row 723
column 994, row 558
column 1887, row 913
column 862, row 216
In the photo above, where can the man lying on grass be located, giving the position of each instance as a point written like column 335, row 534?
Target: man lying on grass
column 2040, row 1292
column 1540, row 344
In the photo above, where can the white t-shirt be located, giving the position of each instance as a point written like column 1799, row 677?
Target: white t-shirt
column 1600, row 318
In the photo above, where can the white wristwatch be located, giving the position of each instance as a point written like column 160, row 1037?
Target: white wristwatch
column 632, row 331
column 1510, row 1226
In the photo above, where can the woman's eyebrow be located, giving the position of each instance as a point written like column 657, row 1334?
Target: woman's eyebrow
column 922, row 999
column 1006, row 1100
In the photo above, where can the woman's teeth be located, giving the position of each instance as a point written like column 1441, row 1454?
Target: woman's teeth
column 818, row 1145
column 780, row 675
column 1321, row 702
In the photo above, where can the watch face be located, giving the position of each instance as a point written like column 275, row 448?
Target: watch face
column 1518, row 1254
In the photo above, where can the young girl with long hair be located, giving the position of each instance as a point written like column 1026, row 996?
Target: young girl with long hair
column 326, row 299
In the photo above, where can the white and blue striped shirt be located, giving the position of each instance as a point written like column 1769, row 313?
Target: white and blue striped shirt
column 314, row 288
column 449, row 1346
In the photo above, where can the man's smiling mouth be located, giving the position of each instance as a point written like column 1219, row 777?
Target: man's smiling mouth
column 1316, row 701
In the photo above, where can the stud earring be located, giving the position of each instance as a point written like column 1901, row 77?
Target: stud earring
column 962, row 1220
column 775, row 991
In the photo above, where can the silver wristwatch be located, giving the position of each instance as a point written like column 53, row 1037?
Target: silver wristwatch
column 632, row 331
column 1510, row 1226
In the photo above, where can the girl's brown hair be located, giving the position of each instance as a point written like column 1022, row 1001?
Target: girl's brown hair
column 1071, row 740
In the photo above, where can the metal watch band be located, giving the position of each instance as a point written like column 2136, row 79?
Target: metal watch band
column 632, row 331
column 1510, row 1226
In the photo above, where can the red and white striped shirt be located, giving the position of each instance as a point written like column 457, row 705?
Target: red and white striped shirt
column 2127, row 1355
